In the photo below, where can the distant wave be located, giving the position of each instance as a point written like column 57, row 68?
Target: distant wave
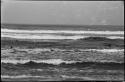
column 42, row 36
column 105, row 50
column 50, row 61
column 47, row 36
column 57, row 34
column 79, row 64
column 54, row 62
column 21, row 76
column 56, row 49
column 30, row 76
column 61, row 31
column 115, row 37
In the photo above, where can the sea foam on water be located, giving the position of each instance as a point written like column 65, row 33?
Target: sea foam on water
column 61, row 31
column 55, row 34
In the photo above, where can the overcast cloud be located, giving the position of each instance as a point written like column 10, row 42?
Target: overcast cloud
column 63, row 12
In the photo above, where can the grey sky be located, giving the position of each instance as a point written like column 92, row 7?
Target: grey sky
column 63, row 12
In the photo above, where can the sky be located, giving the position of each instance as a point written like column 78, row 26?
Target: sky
column 63, row 12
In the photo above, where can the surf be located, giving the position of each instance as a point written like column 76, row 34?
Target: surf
column 61, row 31
column 52, row 61
column 50, row 36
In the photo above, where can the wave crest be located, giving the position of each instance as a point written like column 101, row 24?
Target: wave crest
column 58, row 34
column 62, row 31
column 50, row 61
column 53, row 62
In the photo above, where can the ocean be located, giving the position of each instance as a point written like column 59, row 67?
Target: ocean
column 62, row 53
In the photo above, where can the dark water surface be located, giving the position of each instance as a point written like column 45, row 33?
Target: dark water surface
column 32, row 53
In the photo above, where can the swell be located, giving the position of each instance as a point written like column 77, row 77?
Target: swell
column 21, row 76
column 51, row 36
column 96, row 65
column 61, row 77
column 63, row 27
column 56, row 62
column 84, row 43
column 58, row 34
column 43, row 36
column 64, row 50
column 50, row 61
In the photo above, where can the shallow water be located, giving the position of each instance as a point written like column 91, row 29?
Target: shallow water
column 43, row 64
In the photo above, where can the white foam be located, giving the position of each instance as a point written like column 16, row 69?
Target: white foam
column 21, row 76
column 85, row 78
column 56, row 49
column 115, row 37
column 61, row 31
column 49, row 61
column 105, row 50
column 49, row 36
column 42, row 36
column 29, row 76
column 57, row 61
column 39, row 50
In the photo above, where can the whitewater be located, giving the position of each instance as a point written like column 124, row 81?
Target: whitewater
column 58, row 34
column 61, row 31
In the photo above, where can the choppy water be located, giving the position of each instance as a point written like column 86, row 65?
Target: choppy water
column 61, row 64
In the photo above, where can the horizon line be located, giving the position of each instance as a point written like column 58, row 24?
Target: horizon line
column 57, row 24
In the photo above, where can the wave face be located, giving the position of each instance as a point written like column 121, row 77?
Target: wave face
column 58, row 34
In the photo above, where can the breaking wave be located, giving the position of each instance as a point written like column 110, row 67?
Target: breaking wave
column 50, row 61
column 62, row 31
column 21, row 76
column 54, row 62
column 58, row 34
column 115, row 37
column 53, row 37
column 30, row 76
column 105, row 50
column 44, row 36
